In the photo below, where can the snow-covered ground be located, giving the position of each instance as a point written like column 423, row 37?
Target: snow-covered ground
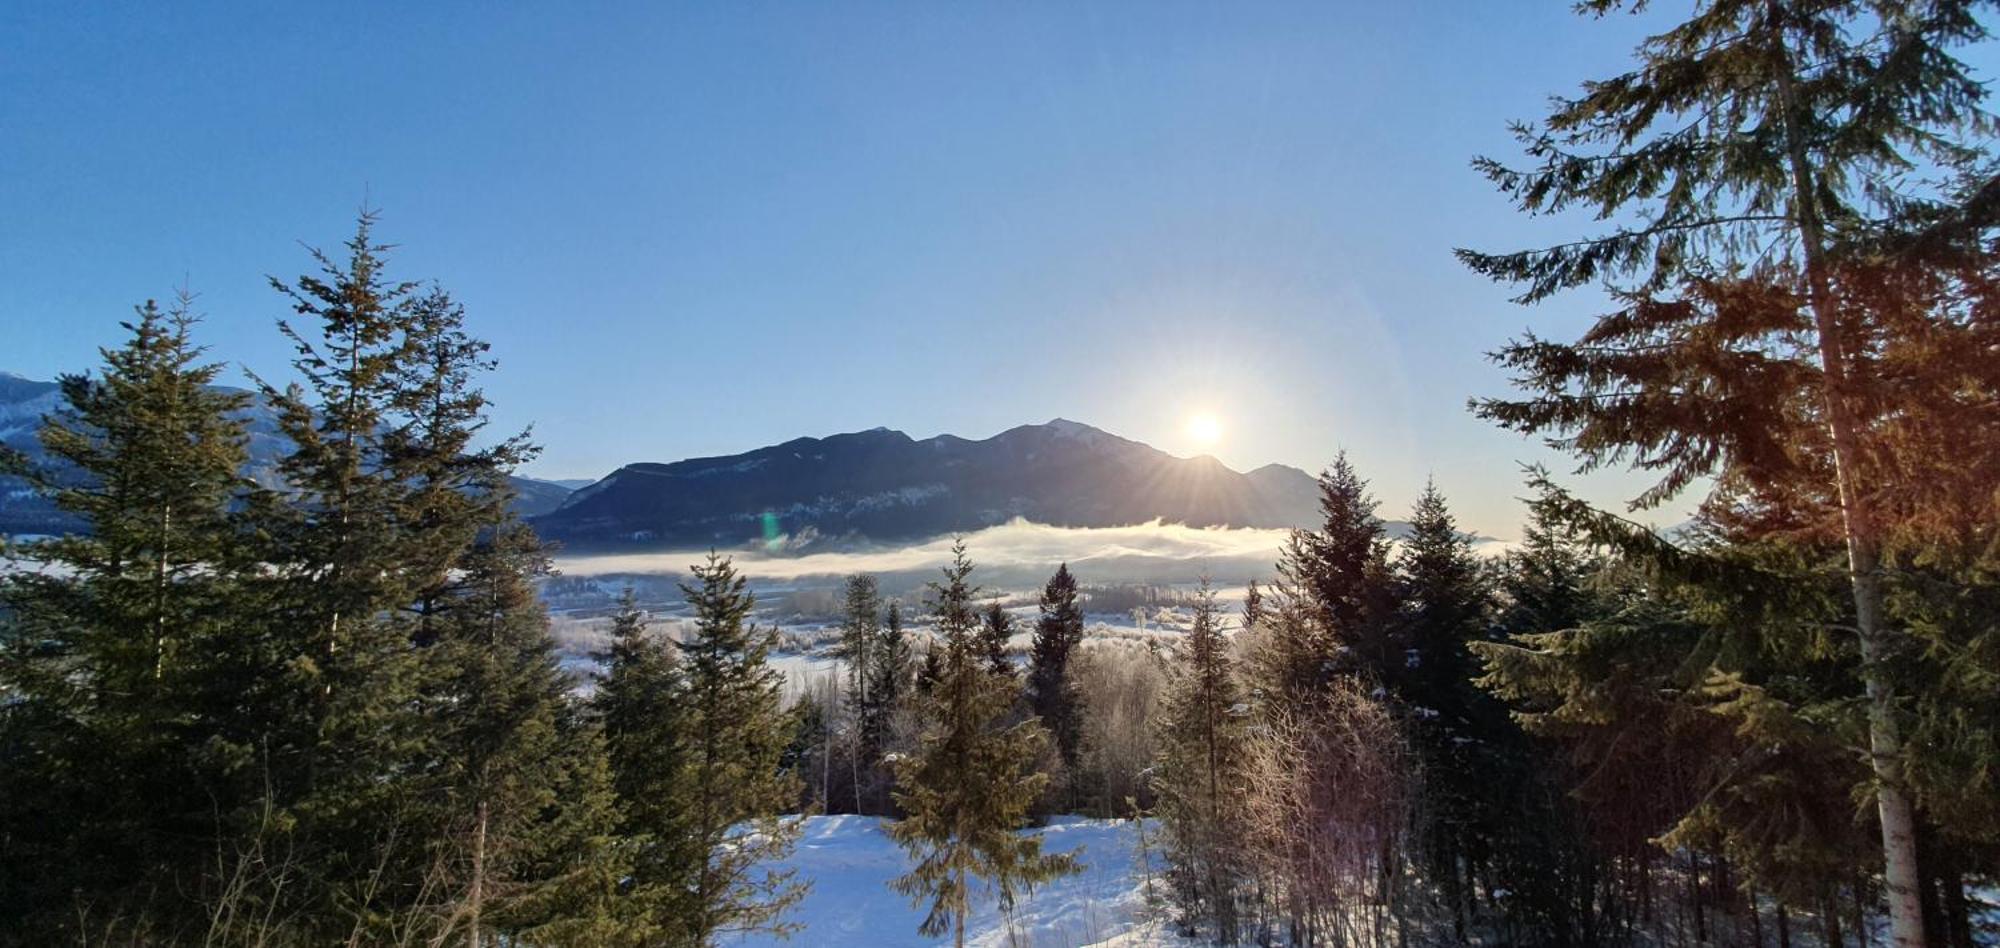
column 850, row 859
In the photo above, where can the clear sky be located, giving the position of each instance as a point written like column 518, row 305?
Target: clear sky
column 699, row 228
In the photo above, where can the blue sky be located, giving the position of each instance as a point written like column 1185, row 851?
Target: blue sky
column 694, row 229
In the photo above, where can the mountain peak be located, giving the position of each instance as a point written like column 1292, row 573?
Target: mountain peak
column 1075, row 431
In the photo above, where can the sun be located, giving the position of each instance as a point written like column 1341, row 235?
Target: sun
column 1204, row 429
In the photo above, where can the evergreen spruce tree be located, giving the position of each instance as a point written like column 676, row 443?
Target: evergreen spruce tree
column 106, row 654
column 888, row 686
column 860, row 636
column 1465, row 744
column 1337, row 597
column 1760, row 151
column 1200, row 775
column 966, row 790
column 737, row 731
column 527, row 806
column 994, row 632
column 932, row 668
column 860, row 629
column 452, row 489
column 330, row 721
column 1253, row 605
column 642, row 706
column 1052, row 693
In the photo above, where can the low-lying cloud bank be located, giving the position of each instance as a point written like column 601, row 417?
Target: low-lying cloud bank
column 1015, row 553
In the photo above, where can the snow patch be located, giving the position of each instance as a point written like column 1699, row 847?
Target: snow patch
column 850, row 859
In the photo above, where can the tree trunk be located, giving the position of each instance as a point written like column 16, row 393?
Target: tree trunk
column 476, row 898
column 1864, row 567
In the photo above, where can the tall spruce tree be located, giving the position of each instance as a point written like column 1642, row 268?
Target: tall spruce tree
column 860, row 636
column 331, row 709
column 1200, row 774
column 967, row 788
column 1757, row 151
column 994, row 631
column 526, row 807
column 860, row 629
column 1464, row 742
column 642, row 706
column 737, row 731
column 106, row 653
column 889, row 674
column 1052, row 693
column 453, row 487
column 1336, row 589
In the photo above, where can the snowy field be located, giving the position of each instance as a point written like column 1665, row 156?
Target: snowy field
column 850, row 859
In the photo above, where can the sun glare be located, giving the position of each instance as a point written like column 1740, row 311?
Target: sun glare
column 1204, row 429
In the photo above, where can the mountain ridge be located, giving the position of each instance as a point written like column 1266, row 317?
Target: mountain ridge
column 882, row 484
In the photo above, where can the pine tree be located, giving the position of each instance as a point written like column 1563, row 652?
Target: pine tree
column 1465, row 744
column 994, row 633
column 452, row 490
column 737, row 731
column 860, row 628
column 1253, row 605
column 642, row 706
column 329, row 720
column 1051, row 692
column 932, row 668
column 105, row 655
column 527, row 808
column 1760, row 151
column 1200, row 774
column 860, row 636
column 968, row 786
column 891, row 665
column 1337, row 598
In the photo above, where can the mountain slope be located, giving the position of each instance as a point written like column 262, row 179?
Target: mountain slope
column 884, row 485
column 24, row 401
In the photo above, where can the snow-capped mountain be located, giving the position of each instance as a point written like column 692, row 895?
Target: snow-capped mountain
column 24, row 401
column 884, row 485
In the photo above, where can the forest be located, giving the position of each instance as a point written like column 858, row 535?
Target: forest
column 327, row 710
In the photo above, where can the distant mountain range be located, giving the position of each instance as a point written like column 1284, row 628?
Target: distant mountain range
column 877, row 485
column 24, row 401
column 884, row 485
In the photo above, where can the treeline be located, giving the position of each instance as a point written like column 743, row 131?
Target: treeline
column 1598, row 738
column 330, row 712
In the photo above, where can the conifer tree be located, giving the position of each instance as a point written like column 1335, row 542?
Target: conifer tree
column 1052, row 693
column 330, row 716
column 106, row 655
column 860, row 628
column 888, row 683
column 642, row 706
column 527, row 802
column 1253, row 605
column 994, row 632
column 737, row 731
column 1759, row 151
column 1336, row 589
column 1464, row 742
column 1200, row 774
column 932, row 668
column 967, row 788
column 452, row 489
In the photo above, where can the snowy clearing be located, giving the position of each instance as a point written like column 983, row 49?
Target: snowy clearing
column 850, row 859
